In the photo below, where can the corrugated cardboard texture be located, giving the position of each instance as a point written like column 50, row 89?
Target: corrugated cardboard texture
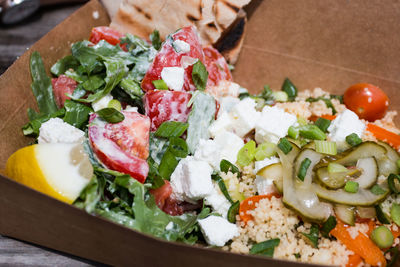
column 327, row 44
column 315, row 43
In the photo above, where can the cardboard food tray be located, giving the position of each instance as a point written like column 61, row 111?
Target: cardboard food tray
column 327, row 44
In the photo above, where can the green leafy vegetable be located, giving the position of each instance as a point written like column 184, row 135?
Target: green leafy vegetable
column 32, row 127
column 290, row 89
column 41, row 86
column 377, row 190
column 155, row 39
column 93, row 83
column 64, row 64
column 178, row 147
column 222, row 187
column 227, row 166
column 312, row 236
column 157, row 147
column 265, row 248
column 76, row 114
column 328, row 226
column 199, row 75
column 200, row 118
column 132, row 88
column 111, row 115
column 171, row 128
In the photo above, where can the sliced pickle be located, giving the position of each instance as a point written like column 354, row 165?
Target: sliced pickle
column 382, row 216
column 369, row 172
column 366, row 212
column 363, row 197
column 310, row 145
column 298, row 195
column 388, row 163
column 266, row 178
column 364, row 150
column 331, row 180
column 315, row 157
column 345, row 213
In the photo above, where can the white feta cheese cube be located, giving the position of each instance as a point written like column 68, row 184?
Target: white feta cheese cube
column 181, row 46
column 173, row 77
column 345, row 124
column 273, row 124
column 229, row 144
column 191, row 180
column 102, row 102
column 217, row 230
column 258, row 165
column 188, row 61
column 226, row 104
column 131, row 109
column 223, row 122
column 218, row 202
column 208, row 151
column 56, row 130
column 244, row 116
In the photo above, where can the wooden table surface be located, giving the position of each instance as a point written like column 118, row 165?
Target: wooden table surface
column 14, row 40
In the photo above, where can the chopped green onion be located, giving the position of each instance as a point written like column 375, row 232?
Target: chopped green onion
column 222, row 187
column 293, row 132
column 111, row 115
column 115, row 104
column 323, row 124
column 199, row 75
column 233, row 211
column 312, row 132
column 265, row 150
column 391, row 182
column 227, row 166
column 328, row 226
column 305, row 164
column 336, row 167
column 353, row 139
column 382, row 237
column 395, row 213
column 377, row 190
column 313, row 235
column 301, row 121
column 171, row 129
column 280, row 96
column 351, row 187
column 285, row 146
column 290, row 89
column 160, row 85
column 246, row 154
column 325, row 147
column 265, row 248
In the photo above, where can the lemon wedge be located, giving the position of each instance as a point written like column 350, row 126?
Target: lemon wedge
column 59, row 170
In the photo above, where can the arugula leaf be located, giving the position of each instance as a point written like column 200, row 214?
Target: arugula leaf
column 199, row 75
column 313, row 235
column 157, row 147
column 93, row 83
column 227, row 166
column 32, row 127
column 171, row 129
column 328, row 226
column 153, row 177
column 155, row 39
column 64, row 64
column 76, row 114
column 110, row 115
column 90, row 196
column 135, row 44
column 41, row 85
column 168, row 164
column 200, row 118
column 132, row 88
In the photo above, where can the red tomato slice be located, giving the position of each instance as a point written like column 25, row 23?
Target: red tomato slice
column 216, row 65
column 164, row 200
column 120, row 150
column 163, row 105
column 167, row 57
column 108, row 34
column 61, row 86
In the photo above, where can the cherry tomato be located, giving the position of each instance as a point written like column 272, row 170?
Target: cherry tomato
column 61, row 86
column 368, row 101
column 216, row 65
column 108, row 34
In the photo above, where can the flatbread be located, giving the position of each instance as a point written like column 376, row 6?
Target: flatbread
column 211, row 17
column 111, row 6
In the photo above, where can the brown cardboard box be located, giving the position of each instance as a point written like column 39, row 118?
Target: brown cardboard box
column 328, row 44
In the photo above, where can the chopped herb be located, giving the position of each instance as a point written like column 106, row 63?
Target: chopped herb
column 265, row 248
column 353, row 139
column 111, row 115
column 222, row 187
column 328, row 226
column 290, row 89
column 285, row 145
column 227, row 166
column 297, row 255
column 199, row 75
column 313, row 235
column 305, row 164
column 171, row 129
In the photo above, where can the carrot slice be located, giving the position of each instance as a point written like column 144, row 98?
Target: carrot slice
column 326, row 116
column 250, row 204
column 361, row 245
column 384, row 135
column 354, row 260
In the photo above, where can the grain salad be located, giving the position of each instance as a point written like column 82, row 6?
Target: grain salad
column 157, row 136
